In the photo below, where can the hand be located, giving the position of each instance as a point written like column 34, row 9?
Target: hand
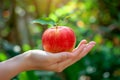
column 42, row 60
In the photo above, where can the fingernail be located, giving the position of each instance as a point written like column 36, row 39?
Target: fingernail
column 93, row 42
column 91, row 45
column 84, row 40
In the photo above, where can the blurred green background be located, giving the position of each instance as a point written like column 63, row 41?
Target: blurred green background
column 97, row 20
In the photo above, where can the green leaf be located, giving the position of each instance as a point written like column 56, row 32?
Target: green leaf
column 44, row 21
column 26, row 47
column 28, row 75
column 24, row 76
column 2, row 56
column 31, row 75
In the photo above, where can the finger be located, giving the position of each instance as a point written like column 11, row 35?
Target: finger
column 87, row 49
column 80, row 47
column 69, row 61
column 64, row 55
column 60, row 61
column 82, row 54
column 82, row 42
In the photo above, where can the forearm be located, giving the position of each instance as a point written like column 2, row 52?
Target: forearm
column 11, row 67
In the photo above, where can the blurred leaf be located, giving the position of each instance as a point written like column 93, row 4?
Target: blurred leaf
column 32, row 75
column 29, row 75
column 2, row 56
column 116, row 50
column 44, row 21
column 22, row 76
column 117, row 72
column 26, row 47
column 98, row 38
column 73, row 69
column 109, row 44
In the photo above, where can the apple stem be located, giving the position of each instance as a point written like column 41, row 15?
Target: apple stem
column 56, row 27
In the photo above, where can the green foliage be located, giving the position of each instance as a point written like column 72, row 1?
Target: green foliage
column 28, row 76
column 26, row 47
column 44, row 21
column 2, row 56
column 24, row 76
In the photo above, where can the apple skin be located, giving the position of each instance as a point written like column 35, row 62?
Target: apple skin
column 58, row 39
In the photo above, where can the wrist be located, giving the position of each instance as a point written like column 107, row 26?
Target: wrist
column 12, row 67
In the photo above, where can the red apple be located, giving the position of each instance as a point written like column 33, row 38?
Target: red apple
column 58, row 39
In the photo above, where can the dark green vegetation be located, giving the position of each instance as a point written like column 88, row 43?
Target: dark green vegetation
column 97, row 20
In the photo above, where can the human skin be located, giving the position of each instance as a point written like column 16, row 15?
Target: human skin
column 42, row 60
